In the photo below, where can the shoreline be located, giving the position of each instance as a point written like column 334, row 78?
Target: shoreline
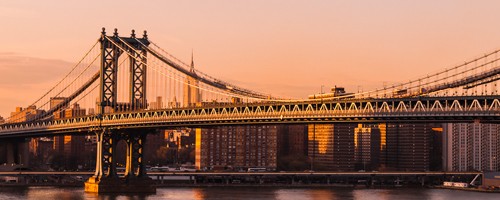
column 270, row 185
column 467, row 189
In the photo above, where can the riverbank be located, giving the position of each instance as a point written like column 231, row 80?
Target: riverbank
column 479, row 189
column 266, row 185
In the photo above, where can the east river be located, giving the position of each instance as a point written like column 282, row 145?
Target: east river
column 247, row 193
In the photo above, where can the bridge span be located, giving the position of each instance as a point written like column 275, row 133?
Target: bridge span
column 399, row 110
column 116, row 92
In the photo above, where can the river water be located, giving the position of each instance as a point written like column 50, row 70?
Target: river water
column 247, row 193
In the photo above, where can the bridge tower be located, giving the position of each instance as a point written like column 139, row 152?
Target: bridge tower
column 105, row 178
column 111, row 49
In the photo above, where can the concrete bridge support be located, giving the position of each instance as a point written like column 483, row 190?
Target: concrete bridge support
column 105, row 179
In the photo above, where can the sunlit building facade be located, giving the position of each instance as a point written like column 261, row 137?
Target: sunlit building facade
column 331, row 146
column 320, row 146
column 24, row 114
column 367, row 146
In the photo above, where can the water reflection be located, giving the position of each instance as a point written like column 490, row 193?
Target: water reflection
column 8, row 192
column 230, row 193
column 245, row 193
column 313, row 194
column 198, row 194
column 54, row 193
column 388, row 194
column 93, row 196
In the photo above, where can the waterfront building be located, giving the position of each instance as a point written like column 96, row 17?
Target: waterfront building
column 367, row 147
column 292, row 140
column 408, row 147
column 331, row 147
column 40, row 147
column 320, row 146
column 292, row 148
column 25, row 147
column 237, row 147
column 471, row 147
column 343, row 147
column 70, row 147
column 436, row 154
column 383, row 144
column 40, row 150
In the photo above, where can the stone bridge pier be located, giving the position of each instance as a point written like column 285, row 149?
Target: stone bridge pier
column 106, row 179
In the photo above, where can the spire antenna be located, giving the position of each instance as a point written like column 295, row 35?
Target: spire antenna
column 192, row 59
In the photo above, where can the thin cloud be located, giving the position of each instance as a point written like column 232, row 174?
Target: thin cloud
column 18, row 70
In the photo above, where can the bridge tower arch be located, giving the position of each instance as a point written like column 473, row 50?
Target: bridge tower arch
column 112, row 47
column 105, row 178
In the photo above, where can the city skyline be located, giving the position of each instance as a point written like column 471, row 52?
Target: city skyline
column 313, row 44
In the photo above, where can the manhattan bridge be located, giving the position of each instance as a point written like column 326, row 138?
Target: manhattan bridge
column 124, row 80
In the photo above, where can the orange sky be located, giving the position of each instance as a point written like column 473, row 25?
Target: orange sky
column 287, row 48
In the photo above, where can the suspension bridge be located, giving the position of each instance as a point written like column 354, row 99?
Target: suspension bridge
column 125, row 87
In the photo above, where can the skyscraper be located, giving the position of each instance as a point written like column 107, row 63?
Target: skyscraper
column 191, row 91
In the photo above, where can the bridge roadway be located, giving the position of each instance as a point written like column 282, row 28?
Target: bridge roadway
column 401, row 110
column 257, row 173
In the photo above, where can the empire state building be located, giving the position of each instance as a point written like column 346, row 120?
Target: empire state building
column 191, row 90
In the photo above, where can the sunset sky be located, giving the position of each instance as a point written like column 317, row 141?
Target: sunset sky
column 282, row 47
